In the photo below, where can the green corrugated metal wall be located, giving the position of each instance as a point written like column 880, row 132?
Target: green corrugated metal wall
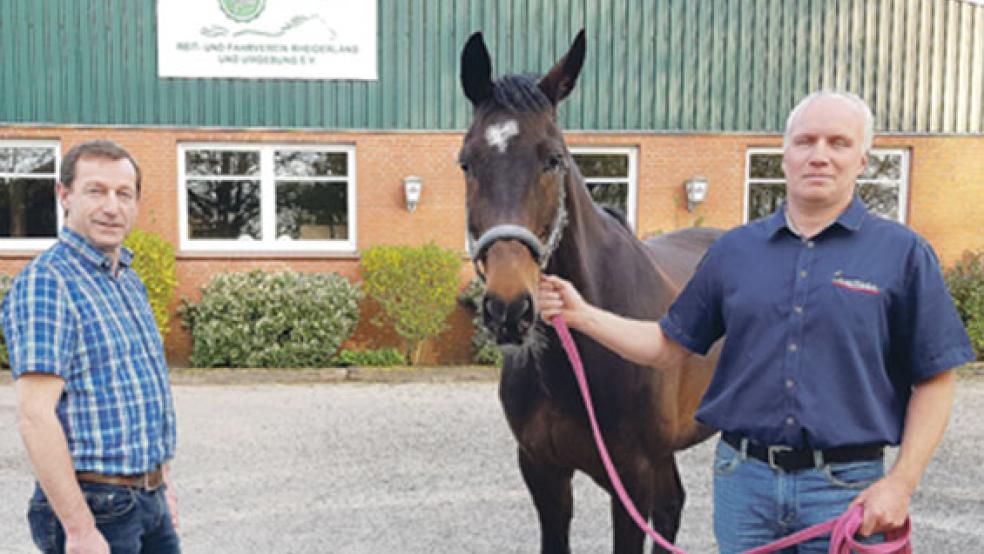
column 701, row 65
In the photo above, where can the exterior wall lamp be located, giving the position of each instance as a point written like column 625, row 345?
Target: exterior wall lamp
column 696, row 189
column 412, row 186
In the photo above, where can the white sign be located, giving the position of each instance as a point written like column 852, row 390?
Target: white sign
column 267, row 39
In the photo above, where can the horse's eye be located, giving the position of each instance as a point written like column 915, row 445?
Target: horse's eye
column 464, row 167
column 554, row 163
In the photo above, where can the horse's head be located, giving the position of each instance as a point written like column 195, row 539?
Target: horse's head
column 516, row 166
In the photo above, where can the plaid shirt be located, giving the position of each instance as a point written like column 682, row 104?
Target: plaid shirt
column 66, row 314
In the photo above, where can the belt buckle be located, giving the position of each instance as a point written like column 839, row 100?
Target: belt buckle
column 145, row 481
column 772, row 451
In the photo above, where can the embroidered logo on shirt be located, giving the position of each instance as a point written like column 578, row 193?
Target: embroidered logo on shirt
column 856, row 285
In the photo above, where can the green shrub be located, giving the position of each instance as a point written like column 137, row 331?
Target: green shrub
column 154, row 262
column 5, row 281
column 484, row 348
column 380, row 357
column 259, row 319
column 966, row 282
column 416, row 288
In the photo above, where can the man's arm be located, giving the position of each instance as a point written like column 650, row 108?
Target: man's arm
column 886, row 503
column 47, row 448
column 641, row 342
column 171, row 495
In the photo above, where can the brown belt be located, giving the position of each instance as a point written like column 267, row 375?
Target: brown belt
column 150, row 481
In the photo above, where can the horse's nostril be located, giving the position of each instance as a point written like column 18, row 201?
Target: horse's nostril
column 494, row 310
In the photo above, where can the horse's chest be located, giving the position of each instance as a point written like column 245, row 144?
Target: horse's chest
column 550, row 435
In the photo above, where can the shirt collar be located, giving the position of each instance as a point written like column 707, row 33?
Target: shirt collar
column 92, row 254
column 851, row 218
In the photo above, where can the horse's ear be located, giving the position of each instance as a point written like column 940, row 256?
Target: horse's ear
column 560, row 81
column 476, row 70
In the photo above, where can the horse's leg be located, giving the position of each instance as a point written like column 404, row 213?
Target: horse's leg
column 626, row 535
column 550, row 487
column 668, row 498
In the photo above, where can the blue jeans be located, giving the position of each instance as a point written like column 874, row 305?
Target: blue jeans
column 132, row 521
column 755, row 504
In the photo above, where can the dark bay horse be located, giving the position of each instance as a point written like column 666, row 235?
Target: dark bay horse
column 530, row 212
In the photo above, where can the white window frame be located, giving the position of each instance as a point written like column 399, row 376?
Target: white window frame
column 9, row 244
column 903, row 179
column 633, row 177
column 268, row 202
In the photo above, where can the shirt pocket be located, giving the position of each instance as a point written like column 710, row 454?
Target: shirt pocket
column 856, row 299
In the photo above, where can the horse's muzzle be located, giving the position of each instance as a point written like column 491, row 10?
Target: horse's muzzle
column 509, row 322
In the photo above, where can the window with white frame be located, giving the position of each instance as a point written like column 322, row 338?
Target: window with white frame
column 610, row 175
column 883, row 186
column 29, row 214
column 267, row 197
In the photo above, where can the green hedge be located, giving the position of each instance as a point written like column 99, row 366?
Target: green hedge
column 5, row 281
column 966, row 282
column 260, row 319
column 484, row 348
column 415, row 286
column 379, row 357
column 153, row 260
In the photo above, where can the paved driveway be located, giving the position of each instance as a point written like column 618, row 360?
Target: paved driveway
column 422, row 468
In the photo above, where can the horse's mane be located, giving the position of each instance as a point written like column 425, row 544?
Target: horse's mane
column 617, row 215
column 519, row 93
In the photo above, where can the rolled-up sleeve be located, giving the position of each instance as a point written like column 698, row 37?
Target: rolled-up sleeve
column 40, row 325
column 695, row 318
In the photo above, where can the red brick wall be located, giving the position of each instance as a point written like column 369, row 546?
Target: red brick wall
column 946, row 198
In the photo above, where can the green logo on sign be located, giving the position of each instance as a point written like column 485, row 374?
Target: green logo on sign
column 242, row 11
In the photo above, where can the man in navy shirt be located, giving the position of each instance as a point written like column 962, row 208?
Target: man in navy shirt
column 841, row 338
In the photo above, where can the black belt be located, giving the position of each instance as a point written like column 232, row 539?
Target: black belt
column 796, row 459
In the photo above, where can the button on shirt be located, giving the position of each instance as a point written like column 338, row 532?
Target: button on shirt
column 66, row 314
column 825, row 337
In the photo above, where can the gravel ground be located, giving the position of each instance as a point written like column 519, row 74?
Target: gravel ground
column 422, row 468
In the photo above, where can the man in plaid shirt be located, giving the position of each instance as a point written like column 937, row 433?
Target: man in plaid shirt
column 94, row 403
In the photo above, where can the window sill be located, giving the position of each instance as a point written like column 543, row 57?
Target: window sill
column 264, row 255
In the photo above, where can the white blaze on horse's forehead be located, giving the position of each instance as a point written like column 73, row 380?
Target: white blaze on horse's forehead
column 499, row 134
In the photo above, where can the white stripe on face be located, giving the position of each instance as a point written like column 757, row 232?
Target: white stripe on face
column 498, row 134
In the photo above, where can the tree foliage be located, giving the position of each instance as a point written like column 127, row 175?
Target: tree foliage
column 154, row 262
column 416, row 288
column 966, row 283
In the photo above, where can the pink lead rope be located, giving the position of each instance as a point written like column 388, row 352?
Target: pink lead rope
column 841, row 529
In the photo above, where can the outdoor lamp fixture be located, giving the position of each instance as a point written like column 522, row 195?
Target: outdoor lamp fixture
column 412, row 185
column 696, row 191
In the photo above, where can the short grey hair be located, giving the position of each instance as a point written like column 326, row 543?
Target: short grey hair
column 853, row 99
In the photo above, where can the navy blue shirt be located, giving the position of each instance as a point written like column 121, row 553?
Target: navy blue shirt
column 825, row 337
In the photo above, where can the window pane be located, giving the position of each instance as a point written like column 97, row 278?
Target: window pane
column 224, row 209
column 766, row 166
column 764, row 199
column 17, row 159
column 883, row 166
column 308, row 163
column 222, row 162
column 602, row 165
column 613, row 195
column 881, row 198
column 27, row 208
column 312, row 210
